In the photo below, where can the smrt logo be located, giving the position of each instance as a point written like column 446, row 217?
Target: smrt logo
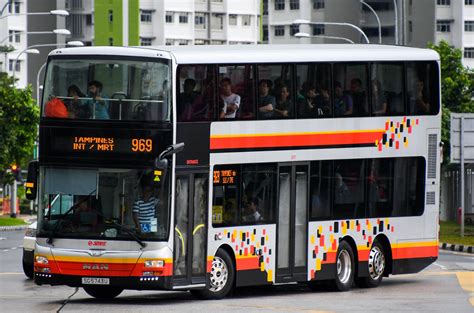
column 96, row 243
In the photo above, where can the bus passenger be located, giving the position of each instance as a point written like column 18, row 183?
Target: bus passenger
column 266, row 102
column 283, row 103
column 230, row 100
column 342, row 192
column 307, row 104
column 358, row 97
column 97, row 104
column 186, row 100
column 342, row 103
column 144, row 209
column 84, row 213
column 76, row 109
column 421, row 101
column 379, row 103
column 251, row 213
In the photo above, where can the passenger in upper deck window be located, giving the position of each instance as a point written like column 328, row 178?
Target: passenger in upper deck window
column 231, row 101
column 422, row 105
column 283, row 103
column 342, row 103
column 75, row 107
column 266, row 102
column 379, row 103
column 358, row 97
column 186, row 100
column 97, row 104
column 309, row 102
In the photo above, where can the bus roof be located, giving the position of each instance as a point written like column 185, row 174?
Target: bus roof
column 266, row 53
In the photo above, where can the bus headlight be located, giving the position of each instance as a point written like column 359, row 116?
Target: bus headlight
column 41, row 260
column 154, row 263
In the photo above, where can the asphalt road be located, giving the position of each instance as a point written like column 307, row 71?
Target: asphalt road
column 446, row 286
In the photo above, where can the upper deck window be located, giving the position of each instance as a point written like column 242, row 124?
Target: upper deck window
column 106, row 89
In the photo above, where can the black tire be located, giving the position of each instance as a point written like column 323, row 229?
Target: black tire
column 103, row 292
column 221, row 278
column 377, row 264
column 28, row 269
column 345, row 267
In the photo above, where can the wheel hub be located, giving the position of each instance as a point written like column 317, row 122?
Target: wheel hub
column 376, row 262
column 344, row 266
column 219, row 274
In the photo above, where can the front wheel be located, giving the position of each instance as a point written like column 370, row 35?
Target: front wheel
column 221, row 278
column 102, row 292
column 377, row 263
column 345, row 267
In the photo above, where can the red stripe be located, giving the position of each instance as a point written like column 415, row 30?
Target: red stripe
column 247, row 263
column 295, row 140
column 415, row 252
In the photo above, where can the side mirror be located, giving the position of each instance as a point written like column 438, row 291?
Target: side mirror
column 31, row 184
column 161, row 163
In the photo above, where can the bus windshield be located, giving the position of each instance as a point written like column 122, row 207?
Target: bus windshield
column 102, row 203
column 113, row 89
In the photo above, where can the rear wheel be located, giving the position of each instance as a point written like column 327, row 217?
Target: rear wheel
column 103, row 292
column 345, row 267
column 377, row 264
column 221, row 278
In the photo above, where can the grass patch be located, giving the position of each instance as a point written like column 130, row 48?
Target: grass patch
column 8, row 221
column 450, row 233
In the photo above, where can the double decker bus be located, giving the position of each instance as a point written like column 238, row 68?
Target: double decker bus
column 209, row 167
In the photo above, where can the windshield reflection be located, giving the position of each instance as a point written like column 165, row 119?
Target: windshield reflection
column 103, row 203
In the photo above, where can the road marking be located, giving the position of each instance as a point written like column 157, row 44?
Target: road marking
column 5, row 250
column 440, row 265
column 14, row 248
column 466, row 280
column 3, row 238
column 12, row 273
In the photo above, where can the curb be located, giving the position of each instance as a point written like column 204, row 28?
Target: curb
column 13, row 228
column 457, row 248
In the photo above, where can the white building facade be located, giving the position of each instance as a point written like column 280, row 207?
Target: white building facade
column 186, row 22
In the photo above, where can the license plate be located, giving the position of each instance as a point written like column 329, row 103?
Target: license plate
column 95, row 281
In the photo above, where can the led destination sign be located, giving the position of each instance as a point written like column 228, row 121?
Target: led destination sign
column 225, row 177
column 101, row 146
column 81, row 143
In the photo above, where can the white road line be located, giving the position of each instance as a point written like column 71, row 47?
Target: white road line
column 3, row 238
column 5, row 250
column 440, row 266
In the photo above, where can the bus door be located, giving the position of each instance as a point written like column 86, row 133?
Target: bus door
column 292, row 223
column 190, row 232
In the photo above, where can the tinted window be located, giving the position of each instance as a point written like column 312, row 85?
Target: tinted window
column 353, row 81
column 387, row 89
column 422, row 88
column 349, row 189
column 196, row 92
column 242, row 82
column 320, row 190
column 275, row 91
column 313, row 82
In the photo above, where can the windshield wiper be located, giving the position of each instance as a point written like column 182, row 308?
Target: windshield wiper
column 128, row 231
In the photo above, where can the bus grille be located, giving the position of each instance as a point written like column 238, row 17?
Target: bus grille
column 432, row 155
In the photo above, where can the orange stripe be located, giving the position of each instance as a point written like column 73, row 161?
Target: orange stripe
column 414, row 252
column 250, row 263
column 318, row 139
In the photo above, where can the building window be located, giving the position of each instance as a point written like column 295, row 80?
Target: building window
column 246, row 20
column 200, row 21
column 265, row 33
column 14, row 36
column 469, row 2
column 14, row 8
column 443, row 2
column 443, row 26
column 183, row 18
column 232, row 19
column 217, row 21
column 318, row 4
column 88, row 19
column 11, row 63
column 279, row 31
column 217, row 42
column 74, row 22
column 201, row 42
column 265, row 7
column 294, row 29
column 145, row 16
column 318, row 30
column 294, row 4
column 111, row 41
column 469, row 53
column 111, row 16
column 145, row 41
column 169, row 17
column 279, row 5
column 469, row 26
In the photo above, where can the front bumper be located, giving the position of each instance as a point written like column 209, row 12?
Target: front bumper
column 134, row 283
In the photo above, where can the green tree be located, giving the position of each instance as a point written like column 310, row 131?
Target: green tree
column 19, row 117
column 457, row 87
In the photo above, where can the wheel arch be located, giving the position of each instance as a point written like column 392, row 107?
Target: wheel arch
column 231, row 253
column 387, row 248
